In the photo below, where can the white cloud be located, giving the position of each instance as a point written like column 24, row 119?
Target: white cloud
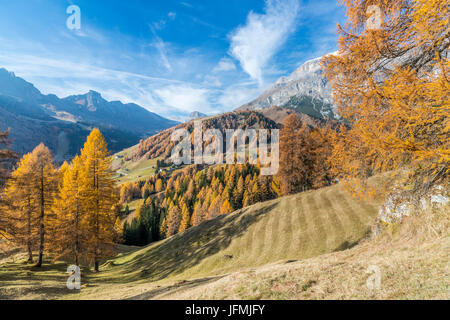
column 35, row 66
column 235, row 96
column 212, row 81
column 171, row 98
column 161, row 47
column 186, row 4
column 161, row 24
column 185, row 98
column 225, row 64
column 255, row 43
column 64, row 77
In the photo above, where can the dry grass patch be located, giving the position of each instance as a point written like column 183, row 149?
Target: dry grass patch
column 413, row 259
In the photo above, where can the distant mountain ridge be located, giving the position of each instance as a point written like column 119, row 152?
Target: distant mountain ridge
column 94, row 108
column 33, row 117
column 196, row 115
column 305, row 90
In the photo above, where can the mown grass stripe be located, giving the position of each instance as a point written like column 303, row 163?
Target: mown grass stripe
column 325, row 209
column 333, row 215
column 349, row 208
column 247, row 242
column 293, row 221
column 263, row 240
column 344, row 215
column 285, row 230
column 371, row 211
column 274, row 231
column 310, row 226
column 302, row 238
column 318, row 228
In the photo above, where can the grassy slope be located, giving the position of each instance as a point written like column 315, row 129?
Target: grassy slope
column 129, row 171
column 293, row 227
column 413, row 259
column 290, row 228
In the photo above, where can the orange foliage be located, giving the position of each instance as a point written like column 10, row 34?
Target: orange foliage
column 392, row 87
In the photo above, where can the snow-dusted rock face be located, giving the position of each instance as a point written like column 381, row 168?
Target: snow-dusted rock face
column 307, row 81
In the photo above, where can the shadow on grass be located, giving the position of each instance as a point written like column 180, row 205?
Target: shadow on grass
column 187, row 249
column 43, row 292
column 27, row 278
column 346, row 245
column 350, row 244
column 22, row 280
column 182, row 285
column 168, row 258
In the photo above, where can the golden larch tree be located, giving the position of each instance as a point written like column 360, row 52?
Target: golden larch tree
column 7, row 158
column 70, row 228
column 391, row 84
column 32, row 192
column 21, row 213
column 226, row 207
column 173, row 221
column 99, row 197
column 185, row 218
column 44, row 183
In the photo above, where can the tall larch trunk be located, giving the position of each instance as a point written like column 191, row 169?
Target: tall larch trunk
column 77, row 247
column 30, row 252
column 41, row 221
column 97, row 229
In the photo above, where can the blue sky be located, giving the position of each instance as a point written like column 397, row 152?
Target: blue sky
column 171, row 57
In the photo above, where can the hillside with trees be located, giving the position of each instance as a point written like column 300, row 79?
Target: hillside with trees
column 371, row 189
column 187, row 197
column 160, row 145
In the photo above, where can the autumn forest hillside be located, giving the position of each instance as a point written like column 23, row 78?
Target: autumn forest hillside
column 357, row 208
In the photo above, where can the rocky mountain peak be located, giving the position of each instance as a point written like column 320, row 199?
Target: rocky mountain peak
column 306, row 90
column 93, row 100
column 13, row 86
column 196, row 115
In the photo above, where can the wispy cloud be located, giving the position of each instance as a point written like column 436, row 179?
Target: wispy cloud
column 237, row 95
column 225, row 64
column 174, row 99
column 30, row 65
column 161, row 47
column 63, row 77
column 185, row 97
column 212, row 81
column 263, row 35
column 186, row 4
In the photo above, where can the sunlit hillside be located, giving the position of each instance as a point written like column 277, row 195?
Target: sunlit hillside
column 287, row 229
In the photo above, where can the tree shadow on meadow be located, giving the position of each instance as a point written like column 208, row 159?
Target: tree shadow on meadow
column 21, row 280
column 189, row 248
